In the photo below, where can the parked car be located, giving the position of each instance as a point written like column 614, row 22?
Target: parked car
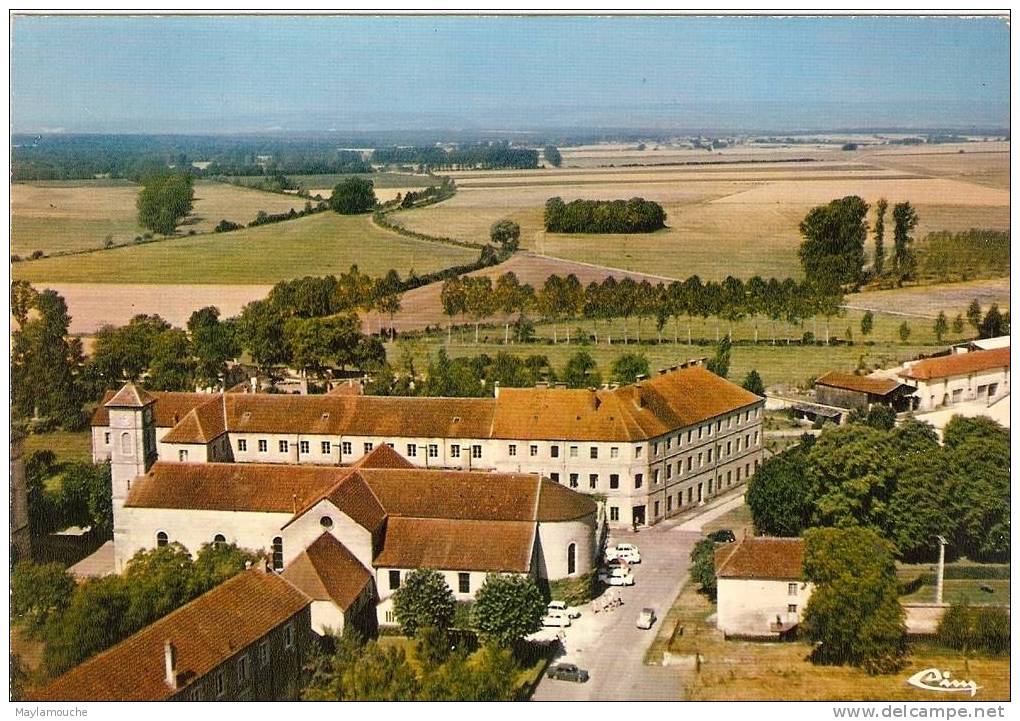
column 723, row 535
column 616, row 577
column 567, row 672
column 626, row 551
column 646, row 619
column 561, row 607
column 559, row 620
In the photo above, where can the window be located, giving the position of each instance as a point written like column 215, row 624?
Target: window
column 219, row 539
column 182, row 456
column 284, row 446
column 242, row 669
column 454, row 451
column 573, row 451
column 326, row 448
column 637, row 451
column 738, row 444
column 512, row 449
column 390, row 444
column 747, row 471
column 680, row 467
column 573, row 480
column 718, row 426
column 729, row 448
column 614, row 480
column 593, row 480
column 729, row 477
column 221, row 685
column 638, row 478
column 669, row 503
column 288, row 635
column 656, row 506
column 533, row 450
column 464, row 582
column 655, row 448
column 391, row 617
column 669, row 471
column 278, row 553
column 709, row 455
column 690, row 463
column 571, row 559
column 125, row 444
column 433, row 450
column 747, row 416
column 476, row 451
column 690, row 495
column 161, row 539
column 394, row 580
column 368, row 447
column 655, row 476
column 412, row 450
column 669, row 443
column 263, row 445
column 614, row 452
column 756, row 438
column 709, row 429
column 729, row 421
column 699, row 493
column 701, row 429
column 346, row 448
column 614, row 513
column 593, row 452
column 555, row 477
column 738, row 475
column 326, row 522
column 690, row 435
column 106, row 437
column 264, row 654
column 710, row 485
column 680, row 500
column 701, row 460
column 554, row 451
column 792, row 608
column 791, row 589
column 242, row 444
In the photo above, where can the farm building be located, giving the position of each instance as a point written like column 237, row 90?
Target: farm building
column 653, row 449
column 1001, row 341
column 846, row 390
column 761, row 590
column 245, row 640
column 978, row 375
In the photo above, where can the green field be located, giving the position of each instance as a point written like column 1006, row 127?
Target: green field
column 69, row 447
column 379, row 180
column 776, row 364
column 315, row 245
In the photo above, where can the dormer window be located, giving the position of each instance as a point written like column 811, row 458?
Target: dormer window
column 246, row 415
column 325, row 416
column 456, row 419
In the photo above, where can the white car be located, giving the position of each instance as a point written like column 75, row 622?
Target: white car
column 559, row 620
column 624, row 551
column 561, row 607
column 646, row 619
column 616, row 577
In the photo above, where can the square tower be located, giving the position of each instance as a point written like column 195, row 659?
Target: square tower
column 132, row 439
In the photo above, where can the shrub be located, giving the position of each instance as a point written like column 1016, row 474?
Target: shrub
column 984, row 629
column 573, row 591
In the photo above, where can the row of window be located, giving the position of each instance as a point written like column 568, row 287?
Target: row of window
column 243, row 667
column 304, row 447
column 704, row 458
column 614, row 511
column 463, row 583
column 704, row 430
column 162, row 539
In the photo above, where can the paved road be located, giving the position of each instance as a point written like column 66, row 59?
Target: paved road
column 609, row 645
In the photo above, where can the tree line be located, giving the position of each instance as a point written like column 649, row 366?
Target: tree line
column 562, row 299
column 475, row 156
column 899, row 481
column 636, row 215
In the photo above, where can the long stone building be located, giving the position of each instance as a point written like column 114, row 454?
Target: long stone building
column 651, row 449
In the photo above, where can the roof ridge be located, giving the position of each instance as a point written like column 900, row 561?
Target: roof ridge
column 538, row 497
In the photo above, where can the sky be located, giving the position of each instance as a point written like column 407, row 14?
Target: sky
column 204, row 74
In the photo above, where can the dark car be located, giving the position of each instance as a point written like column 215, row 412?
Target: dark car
column 567, row 672
column 723, row 535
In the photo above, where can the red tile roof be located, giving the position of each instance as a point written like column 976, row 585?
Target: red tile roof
column 457, row 545
column 861, row 384
column 130, row 396
column 327, row 571
column 203, row 423
column 206, row 632
column 168, row 410
column 958, row 364
column 764, row 558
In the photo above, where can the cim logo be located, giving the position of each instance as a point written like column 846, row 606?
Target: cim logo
column 932, row 679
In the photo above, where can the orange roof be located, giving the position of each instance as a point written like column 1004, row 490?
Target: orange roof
column 958, row 364
column 327, row 571
column 232, row 486
column 457, row 545
column 206, row 632
column 170, row 407
column 766, row 558
column 130, row 396
column 631, row 413
column 202, row 424
column 861, row 384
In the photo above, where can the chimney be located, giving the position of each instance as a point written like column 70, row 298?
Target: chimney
column 170, row 663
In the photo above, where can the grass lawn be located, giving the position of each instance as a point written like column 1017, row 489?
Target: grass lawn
column 69, row 447
column 744, row 670
column 960, row 590
column 315, row 245
column 776, row 364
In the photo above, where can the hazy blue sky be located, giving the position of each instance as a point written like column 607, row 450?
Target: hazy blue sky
column 225, row 74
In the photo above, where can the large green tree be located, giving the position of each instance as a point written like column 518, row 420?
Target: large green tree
column 507, row 608
column 353, row 195
column 506, row 234
column 164, row 201
column 213, row 343
column 424, row 600
column 880, row 207
column 703, row 566
column 779, row 495
column 834, row 236
column 854, row 616
column 627, row 367
column 39, row 593
column 904, row 259
column 581, row 371
column 553, row 156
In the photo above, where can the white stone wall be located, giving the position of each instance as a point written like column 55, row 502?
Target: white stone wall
column 327, row 616
column 554, row 540
column 749, row 606
column 300, row 534
column 944, row 392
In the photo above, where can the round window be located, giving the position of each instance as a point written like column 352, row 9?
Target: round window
column 326, row 522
